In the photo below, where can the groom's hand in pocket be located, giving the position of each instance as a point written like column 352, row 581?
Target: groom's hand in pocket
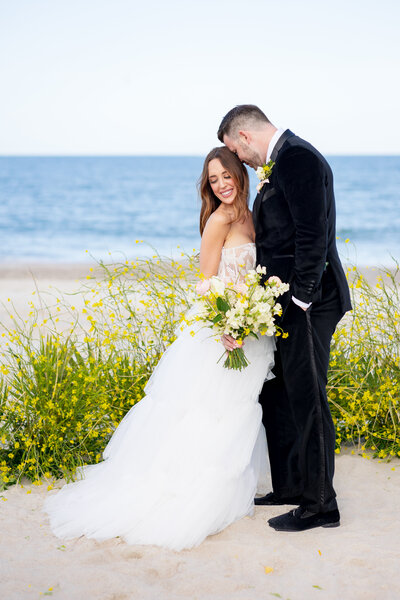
column 229, row 343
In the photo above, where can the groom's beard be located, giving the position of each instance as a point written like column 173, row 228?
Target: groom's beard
column 252, row 158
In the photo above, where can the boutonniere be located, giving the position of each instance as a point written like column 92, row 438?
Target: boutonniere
column 263, row 173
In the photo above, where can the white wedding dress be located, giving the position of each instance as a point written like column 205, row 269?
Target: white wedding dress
column 186, row 461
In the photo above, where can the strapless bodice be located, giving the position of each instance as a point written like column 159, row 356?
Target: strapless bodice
column 236, row 262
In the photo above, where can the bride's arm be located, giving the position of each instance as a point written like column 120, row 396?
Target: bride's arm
column 212, row 240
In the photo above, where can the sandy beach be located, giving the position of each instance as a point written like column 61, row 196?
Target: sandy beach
column 247, row 561
column 19, row 284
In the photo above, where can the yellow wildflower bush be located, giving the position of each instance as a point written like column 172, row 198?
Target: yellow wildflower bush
column 71, row 371
column 364, row 374
column 65, row 388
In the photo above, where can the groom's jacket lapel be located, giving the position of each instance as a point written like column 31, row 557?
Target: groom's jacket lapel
column 268, row 189
column 266, row 192
column 284, row 137
column 256, row 206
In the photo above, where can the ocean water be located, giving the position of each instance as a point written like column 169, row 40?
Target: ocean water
column 54, row 209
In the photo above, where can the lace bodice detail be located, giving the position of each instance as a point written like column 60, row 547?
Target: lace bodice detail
column 236, row 262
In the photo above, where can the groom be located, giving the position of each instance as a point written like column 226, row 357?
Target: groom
column 294, row 219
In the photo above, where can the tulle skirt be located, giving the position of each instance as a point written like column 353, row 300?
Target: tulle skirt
column 184, row 462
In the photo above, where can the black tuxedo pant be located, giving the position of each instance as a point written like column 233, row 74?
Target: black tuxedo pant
column 296, row 415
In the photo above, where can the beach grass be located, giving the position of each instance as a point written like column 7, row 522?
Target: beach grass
column 78, row 363
column 69, row 375
column 364, row 374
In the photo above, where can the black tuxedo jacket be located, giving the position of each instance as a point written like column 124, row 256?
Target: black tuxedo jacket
column 295, row 221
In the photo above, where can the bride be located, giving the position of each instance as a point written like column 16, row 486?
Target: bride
column 186, row 461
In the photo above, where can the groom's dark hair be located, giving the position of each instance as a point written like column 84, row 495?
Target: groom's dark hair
column 240, row 117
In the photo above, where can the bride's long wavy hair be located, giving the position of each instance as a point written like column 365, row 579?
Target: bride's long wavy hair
column 238, row 172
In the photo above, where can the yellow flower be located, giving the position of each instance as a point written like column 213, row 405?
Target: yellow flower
column 268, row 570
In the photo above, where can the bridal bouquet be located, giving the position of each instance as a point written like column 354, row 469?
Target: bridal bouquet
column 240, row 310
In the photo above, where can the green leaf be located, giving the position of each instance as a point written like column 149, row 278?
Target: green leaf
column 217, row 318
column 222, row 304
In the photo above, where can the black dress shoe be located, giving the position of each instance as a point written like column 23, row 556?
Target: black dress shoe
column 271, row 500
column 301, row 519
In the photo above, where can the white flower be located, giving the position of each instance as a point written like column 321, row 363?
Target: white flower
column 251, row 277
column 263, row 173
column 241, row 288
column 217, row 286
column 258, row 294
column 261, row 270
column 269, row 293
column 260, row 173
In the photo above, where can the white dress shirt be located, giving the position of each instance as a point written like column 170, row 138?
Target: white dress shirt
column 273, row 142
column 271, row 146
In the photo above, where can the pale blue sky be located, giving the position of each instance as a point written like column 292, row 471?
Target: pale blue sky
column 156, row 77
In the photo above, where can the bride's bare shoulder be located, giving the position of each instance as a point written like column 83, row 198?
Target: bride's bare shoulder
column 218, row 225
column 212, row 241
column 219, row 222
column 219, row 217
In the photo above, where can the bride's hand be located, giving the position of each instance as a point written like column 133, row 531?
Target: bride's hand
column 229, row 343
